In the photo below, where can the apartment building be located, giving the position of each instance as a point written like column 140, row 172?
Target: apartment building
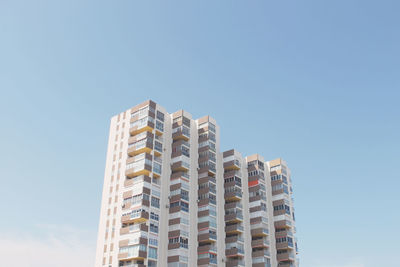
column 171, row 198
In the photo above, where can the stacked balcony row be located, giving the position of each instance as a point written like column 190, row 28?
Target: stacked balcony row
column 260, row 241
column 140, row 215
column 283, row 214
column 233, row 195
column 178, row 226
column 207, row 194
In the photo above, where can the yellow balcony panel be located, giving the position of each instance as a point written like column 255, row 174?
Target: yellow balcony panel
column 137, row 218
column 133, row 172
column 233, row 196
column 149, row 127
column 180, row 166
column 179, row 135
column 134, row 150
column 141, row 255
column 158, row 132
column 231, row 165
column 157, row 153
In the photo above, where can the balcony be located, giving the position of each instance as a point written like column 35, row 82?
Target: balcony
column 144, row 169
column 232, row 205
column 180, row 174
column 130, row 182
column 284, row 245
column 207, row 248
column 260, row 253
column 206, row 238
column 285, row 264
column 232, row 165
column 180, row 166
column 144, row 146
column 181, row 135
column 287, row 256
column 234, row 217
column 259, row 232
column 234, row 263
column 130, row 242
column 260, row 243
column 233, row 196
column 231, row 173
column 139, row 255
column 234, row 229
column 148, row 126
column 204, row 261
column 234, row 252
column 133, row 265
column 234, row 239
column 283, row 224
column 136, row 217
column 134, row 228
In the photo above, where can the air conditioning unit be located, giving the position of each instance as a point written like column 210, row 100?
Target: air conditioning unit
column 167, row 206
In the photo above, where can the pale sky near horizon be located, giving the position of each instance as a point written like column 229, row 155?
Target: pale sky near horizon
column 314, row 82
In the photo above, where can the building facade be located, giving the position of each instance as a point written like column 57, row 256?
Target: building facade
column 171, row 198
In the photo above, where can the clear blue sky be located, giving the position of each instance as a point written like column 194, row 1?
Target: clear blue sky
column 315, row 82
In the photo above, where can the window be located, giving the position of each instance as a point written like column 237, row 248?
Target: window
column 141, row 112
column 183, row 242
column 155, row 202
column 154, row 228
column 158, row 146
column 152, row 253
column 153, row 242
column 154, row 216
column 184, row 195
column 211, row 136
column 185, row 151
column 152, row 263
column 160, row 116
column 160, row 126
column 185, row 206
column 186, row 121
column 156, row 168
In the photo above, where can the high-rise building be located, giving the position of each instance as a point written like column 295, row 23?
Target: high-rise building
column 171, row 198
